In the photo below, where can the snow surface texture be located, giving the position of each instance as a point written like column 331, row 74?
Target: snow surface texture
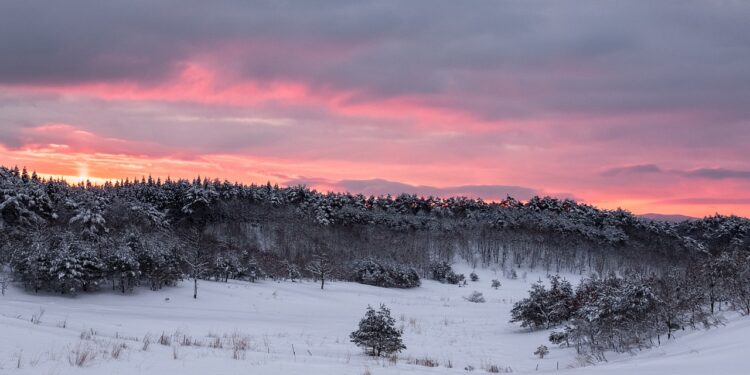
column 296, row 328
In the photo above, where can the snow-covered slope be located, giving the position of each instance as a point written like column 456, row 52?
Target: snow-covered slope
column 717, row 351
column 296, row 328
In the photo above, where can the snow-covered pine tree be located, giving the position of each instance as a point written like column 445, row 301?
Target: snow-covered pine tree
column 532, row 312
column 123, row 268
column 377, row 333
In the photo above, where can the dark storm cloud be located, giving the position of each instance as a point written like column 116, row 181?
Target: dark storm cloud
column 494, row 59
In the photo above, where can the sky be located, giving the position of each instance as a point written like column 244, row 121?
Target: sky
column 638, row 104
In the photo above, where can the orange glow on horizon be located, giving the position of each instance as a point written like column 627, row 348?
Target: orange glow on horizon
column 100, row 168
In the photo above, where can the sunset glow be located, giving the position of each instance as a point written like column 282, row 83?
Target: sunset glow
column 634, row 115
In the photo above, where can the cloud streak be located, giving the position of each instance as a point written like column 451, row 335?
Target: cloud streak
column 700, row 173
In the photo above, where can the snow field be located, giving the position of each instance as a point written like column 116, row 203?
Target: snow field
column 296, row 328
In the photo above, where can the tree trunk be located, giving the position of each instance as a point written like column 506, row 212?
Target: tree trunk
column 195, row 288
column 322, row 282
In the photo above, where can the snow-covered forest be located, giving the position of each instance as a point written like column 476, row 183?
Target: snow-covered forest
column 154, row 231
column 641, row 280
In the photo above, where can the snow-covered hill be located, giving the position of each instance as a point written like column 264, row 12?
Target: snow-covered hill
column 296, row 328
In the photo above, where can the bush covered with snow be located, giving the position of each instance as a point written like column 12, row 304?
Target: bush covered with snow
column 443, row 272
column 475, row 297
column 385, row 274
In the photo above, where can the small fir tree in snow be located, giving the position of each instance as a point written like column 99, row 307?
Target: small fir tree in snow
column 474, row 277
column 496, row 284
column 541, row 351
column 292, row 271
column 377, row 333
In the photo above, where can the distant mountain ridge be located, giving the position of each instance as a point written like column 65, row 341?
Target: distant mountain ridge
column 671, row 218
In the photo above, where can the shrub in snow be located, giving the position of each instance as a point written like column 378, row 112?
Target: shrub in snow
column 496, row 284
column 512, row 275
column 475, row 297
column 377, row 333
column 541, row 351
column 225, row 267
column 439, row 270
column 385, row 275
column 557, row 337
column 473, row 276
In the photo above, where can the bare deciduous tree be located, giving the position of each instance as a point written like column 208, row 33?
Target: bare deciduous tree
column 321, row 268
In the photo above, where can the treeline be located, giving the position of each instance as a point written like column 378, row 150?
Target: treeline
column 62, row 237
column 635, row 311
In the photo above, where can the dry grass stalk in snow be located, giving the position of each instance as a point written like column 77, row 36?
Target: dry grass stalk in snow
column 37, row 318
column 82, row 355
column 239, row 345
column 88, row 335
column 117, row 349
column 495, row 369
column 426, row 362
column 146, row 342
column 165, row 340
column 216, row 343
